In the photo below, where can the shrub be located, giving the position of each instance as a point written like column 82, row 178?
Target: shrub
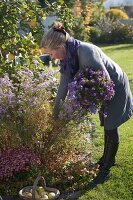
column 13, row 161
column 80, row 31
column 97, row 11
column 26, row 121
column 18, row 167
column 116, row 14
column 110, row 31
column 123, row 33
column 27, row 92
column 21, row 28
column 94, row 34
column 77, row 26
column 21, row 99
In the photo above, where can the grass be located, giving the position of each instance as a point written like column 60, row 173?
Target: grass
column 120, row 185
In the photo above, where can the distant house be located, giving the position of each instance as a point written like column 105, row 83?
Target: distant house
column 126, row 4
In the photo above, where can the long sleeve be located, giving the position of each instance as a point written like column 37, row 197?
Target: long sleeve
column 62, row 92
column 89, row 56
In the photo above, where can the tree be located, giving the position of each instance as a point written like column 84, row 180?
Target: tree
column 98, row 10
column 21, row 28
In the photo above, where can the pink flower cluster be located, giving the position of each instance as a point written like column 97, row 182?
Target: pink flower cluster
column 17, row 160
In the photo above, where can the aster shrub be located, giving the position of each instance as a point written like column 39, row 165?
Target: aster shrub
column 26, row 121
column 21, row 100
column 87, row 93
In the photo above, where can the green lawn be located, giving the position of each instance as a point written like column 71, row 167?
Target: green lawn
column 120, row 185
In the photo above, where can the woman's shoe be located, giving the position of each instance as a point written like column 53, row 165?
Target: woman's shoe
column 109, row 158
column 101, row 177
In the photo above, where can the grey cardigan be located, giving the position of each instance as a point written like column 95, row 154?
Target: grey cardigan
column 120, row 108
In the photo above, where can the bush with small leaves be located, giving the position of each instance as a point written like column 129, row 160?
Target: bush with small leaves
column 109, row 31
column 116, row 14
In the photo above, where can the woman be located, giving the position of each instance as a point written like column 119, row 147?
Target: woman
column 74, row 55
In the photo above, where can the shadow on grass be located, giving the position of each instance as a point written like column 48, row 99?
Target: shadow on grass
column 118, row 47
column 125, row 47
column 131, row 84
column 76, row 194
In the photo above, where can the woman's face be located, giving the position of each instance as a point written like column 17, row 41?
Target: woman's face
column 58, row 53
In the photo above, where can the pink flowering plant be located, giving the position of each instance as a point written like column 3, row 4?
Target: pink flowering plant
column 13, row 161
column 89, row 90
column 18, row 168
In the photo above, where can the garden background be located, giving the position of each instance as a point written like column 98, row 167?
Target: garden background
column 31, row 142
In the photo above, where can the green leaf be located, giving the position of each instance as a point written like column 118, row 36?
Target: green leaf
column 3, row 46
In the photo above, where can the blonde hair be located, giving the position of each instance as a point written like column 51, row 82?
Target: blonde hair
column 55, row 37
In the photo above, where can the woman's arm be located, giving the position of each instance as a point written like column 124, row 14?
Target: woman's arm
column 61, row 93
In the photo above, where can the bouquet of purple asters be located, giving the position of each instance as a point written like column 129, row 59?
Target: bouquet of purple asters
column 89, row 90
